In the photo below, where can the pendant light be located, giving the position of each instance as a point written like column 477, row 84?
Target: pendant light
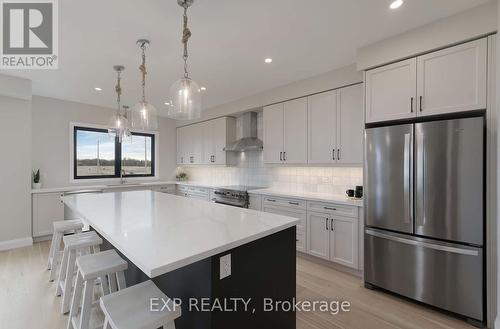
column 144, row 114
column 185, row 95
column 118, row 123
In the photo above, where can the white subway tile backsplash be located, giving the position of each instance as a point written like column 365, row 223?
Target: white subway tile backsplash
column 251, row 170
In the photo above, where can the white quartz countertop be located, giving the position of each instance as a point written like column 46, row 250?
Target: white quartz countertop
column 116, row 186
column 310, row 196
column 160, row 232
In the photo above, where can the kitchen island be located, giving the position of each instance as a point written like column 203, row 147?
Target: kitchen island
column 178, row 243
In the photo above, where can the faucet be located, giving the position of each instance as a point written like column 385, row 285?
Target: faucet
column 122, row 179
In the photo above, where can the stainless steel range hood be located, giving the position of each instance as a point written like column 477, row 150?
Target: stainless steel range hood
column 249, row 140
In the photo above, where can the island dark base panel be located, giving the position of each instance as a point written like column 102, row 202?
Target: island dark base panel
column 265, row 268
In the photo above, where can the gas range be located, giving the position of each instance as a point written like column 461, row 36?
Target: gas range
column 234, row 195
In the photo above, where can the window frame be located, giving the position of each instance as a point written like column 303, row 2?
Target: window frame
column 153, row 155
column 118, row 154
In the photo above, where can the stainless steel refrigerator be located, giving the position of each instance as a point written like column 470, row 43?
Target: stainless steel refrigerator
column 424, row 213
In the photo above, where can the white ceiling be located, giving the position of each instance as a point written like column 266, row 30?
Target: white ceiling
column 230, row 40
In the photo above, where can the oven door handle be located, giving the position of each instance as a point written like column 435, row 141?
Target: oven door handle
column 214, row 200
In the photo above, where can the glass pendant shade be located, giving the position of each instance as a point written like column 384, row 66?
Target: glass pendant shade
column 120, row 126
column 144, row 116
column 185, row 97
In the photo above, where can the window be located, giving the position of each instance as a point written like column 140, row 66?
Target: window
column 137, row 152
column 98, row 154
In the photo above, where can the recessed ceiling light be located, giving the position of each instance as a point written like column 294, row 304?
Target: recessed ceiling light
column 268, row 60
column 203, row 88
column 396, row 4
column 97, row 89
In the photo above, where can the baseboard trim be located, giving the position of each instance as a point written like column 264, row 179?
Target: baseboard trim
column 335, row 266
column 16, row 243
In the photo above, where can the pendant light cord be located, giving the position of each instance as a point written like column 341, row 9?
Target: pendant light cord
column 186, row 34
column 142, row 68
column 118, row 90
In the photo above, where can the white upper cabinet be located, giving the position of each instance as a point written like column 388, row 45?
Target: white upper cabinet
column 335, row 126
column 350, row 125
column 273, row 125
column 203, row 143
column 445, row 81
column 285, row 132
column 391, row 91
column 322, row 126
column 453, row 79
column 295, row 131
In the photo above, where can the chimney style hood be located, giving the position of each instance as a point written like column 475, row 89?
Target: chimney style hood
column 249, row 140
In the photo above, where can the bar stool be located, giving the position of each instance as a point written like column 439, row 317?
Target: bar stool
column 60, row 228
column 107, row 266
column 130, row 308
column 81, row 244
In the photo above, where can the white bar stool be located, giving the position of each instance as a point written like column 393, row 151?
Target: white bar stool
column 107, row 266
column 81, row 243
column 130, row 308
column 55, row 252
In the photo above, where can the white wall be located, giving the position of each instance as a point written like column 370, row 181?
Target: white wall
column 15, row 164
column 51, row 118
column 329, row 80
column 474, row 23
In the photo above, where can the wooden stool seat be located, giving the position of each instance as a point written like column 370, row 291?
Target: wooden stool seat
column 130, row 308
column 106, row 267
column 82, row 244
column 59, row 229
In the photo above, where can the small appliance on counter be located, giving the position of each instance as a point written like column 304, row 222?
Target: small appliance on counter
column 357, row 193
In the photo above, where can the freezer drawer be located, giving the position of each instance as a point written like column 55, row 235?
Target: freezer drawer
column 444, row 275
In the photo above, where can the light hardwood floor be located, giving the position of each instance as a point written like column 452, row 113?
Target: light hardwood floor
column 27, row 298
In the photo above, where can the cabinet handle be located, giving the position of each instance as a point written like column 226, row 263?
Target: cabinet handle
column 294, row 203
column 333, row 154
column 281, row 156
column 214, row 157
column 329, row 208
column 331, row 224
column 271, row 200
column 326, row 223
column 338, row 154
column 421, row 103
column 411, row 104
column 284, row 156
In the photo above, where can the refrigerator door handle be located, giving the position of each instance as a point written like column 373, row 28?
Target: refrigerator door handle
column 455, row 250
column 407, row 178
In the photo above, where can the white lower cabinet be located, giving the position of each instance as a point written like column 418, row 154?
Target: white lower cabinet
column 291, row 208
column 318, row 235
column 333, row 237
column 47, row 208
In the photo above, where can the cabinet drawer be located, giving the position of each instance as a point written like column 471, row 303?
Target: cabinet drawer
column 335, row 209
column 282, row 202
column 164, row 189
column 200, row 190
column 182, row 188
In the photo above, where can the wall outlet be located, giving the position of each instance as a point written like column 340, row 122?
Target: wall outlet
column 225, row 266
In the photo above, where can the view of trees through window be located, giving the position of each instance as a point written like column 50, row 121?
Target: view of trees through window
column 97, row 151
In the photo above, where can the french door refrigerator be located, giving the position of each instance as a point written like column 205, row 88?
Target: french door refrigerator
column 424, row 213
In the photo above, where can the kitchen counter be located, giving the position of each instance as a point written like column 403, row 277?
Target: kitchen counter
column 310, row 196
column 141, row 223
